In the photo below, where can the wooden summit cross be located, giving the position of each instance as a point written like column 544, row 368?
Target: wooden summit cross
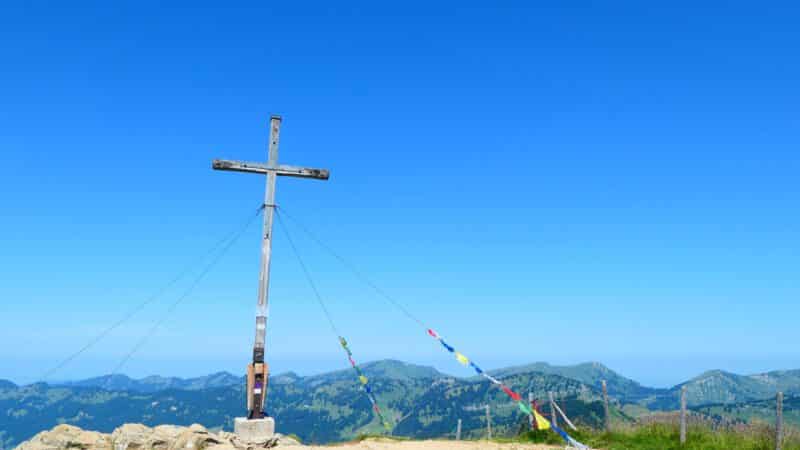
column 258, row 371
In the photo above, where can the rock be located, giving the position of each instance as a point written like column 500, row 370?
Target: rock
column 196, row 437
column 67, row 437
column 226, row 436
column 287, row 441
column 135, row 436
column 168, row 432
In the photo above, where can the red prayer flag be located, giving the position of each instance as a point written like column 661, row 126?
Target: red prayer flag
column 511, row 393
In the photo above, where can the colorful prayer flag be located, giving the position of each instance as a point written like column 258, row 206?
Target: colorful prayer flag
column 491, row 378
column 541, row 422
column 363, row 379
column 510, row 393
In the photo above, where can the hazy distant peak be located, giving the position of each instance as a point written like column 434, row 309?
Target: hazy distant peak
column 391, row 368
column 221, row 374
column 152, row 383
column 589, row 373
column 595, row 365
column 387, row 369
column 778, row 374
column 111, row 381
column 713, row 374
column 284, row 378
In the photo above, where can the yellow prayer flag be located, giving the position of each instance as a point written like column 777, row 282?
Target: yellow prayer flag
column 462, row 359
column 363, row 379
column 541, row 422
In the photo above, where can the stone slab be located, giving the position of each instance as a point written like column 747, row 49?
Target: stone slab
column 254, row 430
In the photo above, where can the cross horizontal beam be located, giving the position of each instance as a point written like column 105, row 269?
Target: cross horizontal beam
column 281, row 169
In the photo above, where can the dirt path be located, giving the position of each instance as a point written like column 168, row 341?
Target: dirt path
column 380, row 444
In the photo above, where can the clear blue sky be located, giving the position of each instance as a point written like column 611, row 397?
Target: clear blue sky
column 564, row 183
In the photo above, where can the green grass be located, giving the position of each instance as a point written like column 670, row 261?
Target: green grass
column 657, row 436
column 666, row 437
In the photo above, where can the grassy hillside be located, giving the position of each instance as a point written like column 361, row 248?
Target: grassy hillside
column 762, row 411
column 787, row 381
column 421, row 401
column 719, row 387
column 667, row 437
column 323, row 408
column 590, row 374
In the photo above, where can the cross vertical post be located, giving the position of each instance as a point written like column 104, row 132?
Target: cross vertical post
column 683, row 415
column 488, row 423
column 553, row 417
column 530, row 416
column 258, row 370
column 605, row 407
column 779, row 421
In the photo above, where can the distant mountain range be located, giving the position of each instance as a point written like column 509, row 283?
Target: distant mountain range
column 762, row 410
column 156, row 383
column 590, row 374
column 720, row 387
column 717, row 386
column 421, row 401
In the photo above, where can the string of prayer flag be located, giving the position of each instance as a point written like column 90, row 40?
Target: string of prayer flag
column 541, row 422
column 364, row 383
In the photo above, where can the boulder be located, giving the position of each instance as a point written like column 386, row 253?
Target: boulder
column 135, row 436
column 196, row 437
column 67, row 437
column 168, row 432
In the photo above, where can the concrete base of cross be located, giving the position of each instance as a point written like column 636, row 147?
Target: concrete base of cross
column 254, row 430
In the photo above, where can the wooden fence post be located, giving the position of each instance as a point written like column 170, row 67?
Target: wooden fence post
column 458, row 430
column 488, row 423
column 605, row 407
column 553, row 416
column 779, row 421
column 530, row 403
column 683, row 415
